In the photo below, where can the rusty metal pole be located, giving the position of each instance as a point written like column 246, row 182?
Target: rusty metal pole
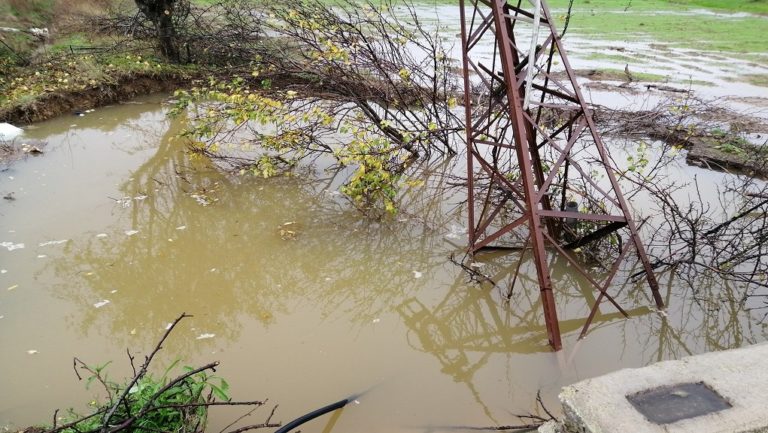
column 534, row 157
column 526, row 174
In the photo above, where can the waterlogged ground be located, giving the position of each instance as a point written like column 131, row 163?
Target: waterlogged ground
column 114, row 232
column 660, row 50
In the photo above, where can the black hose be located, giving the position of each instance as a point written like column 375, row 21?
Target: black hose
column 314, row 414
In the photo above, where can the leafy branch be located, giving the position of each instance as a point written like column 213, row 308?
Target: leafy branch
column 178, row 404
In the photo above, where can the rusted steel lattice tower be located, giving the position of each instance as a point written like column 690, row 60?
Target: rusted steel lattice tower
column 539, row 175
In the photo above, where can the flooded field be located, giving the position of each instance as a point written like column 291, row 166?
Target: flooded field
column 115, row 231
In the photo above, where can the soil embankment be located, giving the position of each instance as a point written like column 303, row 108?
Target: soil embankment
column 58, row 103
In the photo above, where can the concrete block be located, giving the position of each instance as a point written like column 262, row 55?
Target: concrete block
column 739, row 376
column 550, row 427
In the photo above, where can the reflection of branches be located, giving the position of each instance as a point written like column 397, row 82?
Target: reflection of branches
column 701, row 244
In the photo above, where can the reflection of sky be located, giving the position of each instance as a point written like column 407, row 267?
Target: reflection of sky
column 346, row 304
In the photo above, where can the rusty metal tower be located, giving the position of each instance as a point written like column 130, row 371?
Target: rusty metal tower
column 539, row 177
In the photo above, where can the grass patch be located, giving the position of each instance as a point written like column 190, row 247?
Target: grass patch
column 30, row 12
column 610, row 74
column 699, row 83
column 757, row 79
column 77, row 73
column 709, row 33
column 616, row 58
column 752, row 6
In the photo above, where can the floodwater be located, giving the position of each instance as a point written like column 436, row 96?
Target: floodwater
column 301, row 299
column 709, row 74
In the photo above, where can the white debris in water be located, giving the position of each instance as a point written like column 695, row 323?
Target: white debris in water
column 45, row 244
column 8, row 132
column 124, row 202
column 416, row 274
column 131, row 232
column 101, row 235
column 11, row 246
column 13, row 287
column 456, row 232
column 140, row 197
column 32, row 351
column 2, row 317
column 113, row 291
column 203, row 200
column 101, row 303
column 476, row 265
column 41, row 256
column 204, row 336
column 181, row 228
column 376, row 320
column 168, row 326
column 3, row 271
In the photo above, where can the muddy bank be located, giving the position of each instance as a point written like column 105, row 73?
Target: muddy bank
column 57, row 103
column 704, row 149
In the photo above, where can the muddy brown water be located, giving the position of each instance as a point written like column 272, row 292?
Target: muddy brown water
column 116, row 211
column 122, row 232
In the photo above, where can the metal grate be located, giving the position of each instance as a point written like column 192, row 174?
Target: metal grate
column 668, row 404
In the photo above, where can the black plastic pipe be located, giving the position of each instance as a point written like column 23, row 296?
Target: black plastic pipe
column 314, row 414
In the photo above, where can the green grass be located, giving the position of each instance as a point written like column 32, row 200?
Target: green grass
column 615, row 58
column 629, row 19
column 752, row 6
column 77, row 73
column 757, row 79
column 646, row 19
column 27, row 12
column 611, row 74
